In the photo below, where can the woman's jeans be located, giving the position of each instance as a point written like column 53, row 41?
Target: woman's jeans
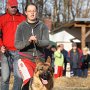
column 9, row 62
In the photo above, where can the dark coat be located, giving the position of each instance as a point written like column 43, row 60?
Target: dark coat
column 75, row 58
column 85, row 61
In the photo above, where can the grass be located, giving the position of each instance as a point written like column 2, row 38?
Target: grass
column 64, row 83
column 73, row 83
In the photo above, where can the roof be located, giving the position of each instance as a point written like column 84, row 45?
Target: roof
column 82, row 21
column 85, row 20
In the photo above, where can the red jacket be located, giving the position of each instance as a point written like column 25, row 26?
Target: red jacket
column 8, row 25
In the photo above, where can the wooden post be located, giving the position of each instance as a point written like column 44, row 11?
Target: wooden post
column 83, row 38
column 83, row 33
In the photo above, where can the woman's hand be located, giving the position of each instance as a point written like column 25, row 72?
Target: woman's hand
column 33, row 39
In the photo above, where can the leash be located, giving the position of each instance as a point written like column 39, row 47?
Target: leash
column 9, row 59
column 37, row 56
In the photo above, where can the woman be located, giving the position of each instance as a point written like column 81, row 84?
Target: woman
column 31, row 38
column 85, row 62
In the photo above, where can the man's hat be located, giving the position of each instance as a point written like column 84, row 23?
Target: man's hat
column 74, row 45
column 12, row 3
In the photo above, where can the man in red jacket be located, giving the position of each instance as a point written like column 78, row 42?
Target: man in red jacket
column 8, row 24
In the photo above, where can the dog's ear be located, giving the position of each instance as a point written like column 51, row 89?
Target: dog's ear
column 48, row 60
column 37, row 60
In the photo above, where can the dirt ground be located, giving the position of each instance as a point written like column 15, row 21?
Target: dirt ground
column 73, row 83
column 64, row 83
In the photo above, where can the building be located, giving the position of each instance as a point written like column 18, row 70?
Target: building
column 79, row 29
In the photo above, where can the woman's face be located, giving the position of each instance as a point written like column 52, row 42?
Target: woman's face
column 85, row 52
column 31, row 13
column 74, row 47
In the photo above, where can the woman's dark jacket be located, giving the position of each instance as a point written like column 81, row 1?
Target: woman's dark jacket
column 24, row 31
column 85, row 61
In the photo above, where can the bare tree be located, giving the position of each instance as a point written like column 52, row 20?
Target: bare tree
column 86, row 12
column 40, row 6
column 64, row 10
column 72, row 9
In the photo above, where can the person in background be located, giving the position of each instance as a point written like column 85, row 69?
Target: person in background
column 8, row 24
column 31, row 38
column 85, row 59
column 75, row 59
column 48, row 52
column 58, row 63
column 65, row 54
column 53, row 49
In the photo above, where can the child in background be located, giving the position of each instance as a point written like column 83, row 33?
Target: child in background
column 58, row 63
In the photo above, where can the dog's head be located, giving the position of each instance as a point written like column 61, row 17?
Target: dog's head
column 44, row 71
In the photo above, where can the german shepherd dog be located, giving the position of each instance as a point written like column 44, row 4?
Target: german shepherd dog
column 43, row 76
